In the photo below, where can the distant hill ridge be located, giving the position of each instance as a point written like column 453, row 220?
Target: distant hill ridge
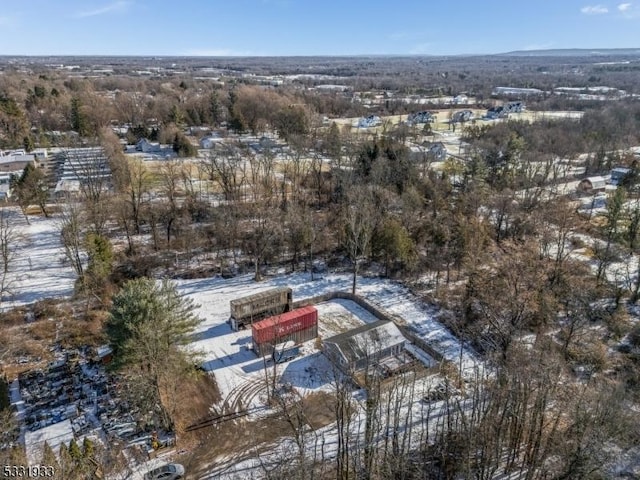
column 574, row 52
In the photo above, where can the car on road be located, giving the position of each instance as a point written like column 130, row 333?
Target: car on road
column 171, row 471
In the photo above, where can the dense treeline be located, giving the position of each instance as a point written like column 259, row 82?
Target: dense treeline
column 613, row 127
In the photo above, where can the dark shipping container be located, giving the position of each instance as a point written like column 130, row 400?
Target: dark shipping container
column 252, row 308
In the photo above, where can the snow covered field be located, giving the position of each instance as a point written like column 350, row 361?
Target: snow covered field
column 239, row 373
column 37, row 270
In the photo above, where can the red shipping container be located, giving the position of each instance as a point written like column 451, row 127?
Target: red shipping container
column 279, row 326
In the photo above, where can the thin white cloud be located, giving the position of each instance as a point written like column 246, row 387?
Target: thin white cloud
column 629, row 11
column 115, row 7
column 594, row 10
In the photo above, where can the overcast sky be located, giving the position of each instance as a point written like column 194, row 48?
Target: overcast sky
column 310, row 27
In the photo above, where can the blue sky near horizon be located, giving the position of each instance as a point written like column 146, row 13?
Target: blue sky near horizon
column 310, row 27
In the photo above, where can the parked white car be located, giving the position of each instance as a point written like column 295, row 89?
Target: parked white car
column 171, row 471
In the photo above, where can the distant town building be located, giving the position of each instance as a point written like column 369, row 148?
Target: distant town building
column 421, row 117
column 460, row 100
column 434, row 151
column 618, row 174
column 437, row 151
column 462, row 116
column 514, row 107
column 145, row 146
column 333, row 88
column 515, row 91
column 496, row 112
column 16, row 161
column 503, row 111
column 79, row 168
column 598, row 93
column 5, row 185
column 210, row 141
column 265, row 143
column 369, row 122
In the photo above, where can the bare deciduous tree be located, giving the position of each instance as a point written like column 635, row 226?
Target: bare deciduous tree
column 9, row 238
column 72, row 234
column 359, row 217
column 227, row 169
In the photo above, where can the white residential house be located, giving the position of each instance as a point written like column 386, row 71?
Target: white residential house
column 369, row 122
column 145, row 146
column 460, row 100
column 462, row 116
column 421, row 117
column 437, row 151
column 210, row 141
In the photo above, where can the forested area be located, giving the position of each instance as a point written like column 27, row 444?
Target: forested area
column 487, row 237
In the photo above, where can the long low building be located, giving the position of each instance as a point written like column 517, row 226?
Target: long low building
column 516, row 91
column 366, row 345
column 16, row 162
column 80, row 168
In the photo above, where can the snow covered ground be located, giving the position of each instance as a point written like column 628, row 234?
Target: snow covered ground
column 240, row 374
column 37, row 270
column 55, row 435
column 338, row 316
column 323, row 443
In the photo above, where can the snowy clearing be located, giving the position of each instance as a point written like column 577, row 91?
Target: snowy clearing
column 38, row 270
column 239, row 373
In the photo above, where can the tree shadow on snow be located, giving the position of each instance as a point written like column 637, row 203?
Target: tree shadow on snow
column 311, row 371
column 235, row 358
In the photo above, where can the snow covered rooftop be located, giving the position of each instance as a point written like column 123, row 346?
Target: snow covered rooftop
column 367, row 340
